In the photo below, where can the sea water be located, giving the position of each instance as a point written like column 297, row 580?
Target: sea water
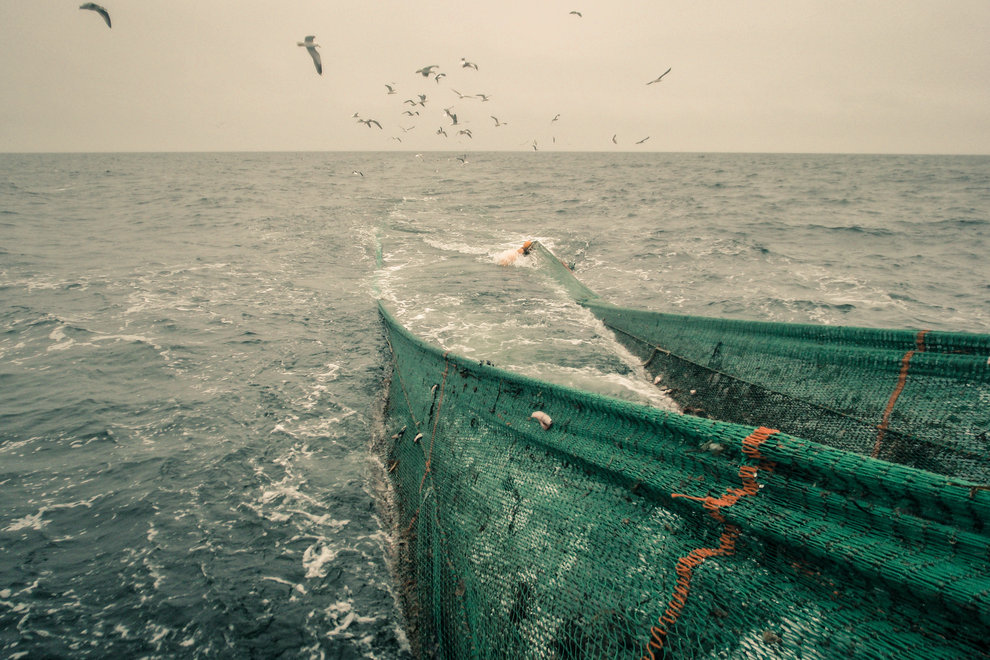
column 191, row 360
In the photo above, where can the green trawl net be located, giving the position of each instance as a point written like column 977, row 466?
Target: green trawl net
column 910, row 397
column 622, row 531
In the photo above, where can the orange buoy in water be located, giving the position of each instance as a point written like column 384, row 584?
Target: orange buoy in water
column 509, row 257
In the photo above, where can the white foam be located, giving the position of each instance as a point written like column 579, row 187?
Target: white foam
column 36, row 521
column 462, row 248
column 316, row 557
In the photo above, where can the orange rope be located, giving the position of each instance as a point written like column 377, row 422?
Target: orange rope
column 726, row 543
column 901, row 381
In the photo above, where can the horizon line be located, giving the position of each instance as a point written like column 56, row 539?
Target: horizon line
column 498, row 151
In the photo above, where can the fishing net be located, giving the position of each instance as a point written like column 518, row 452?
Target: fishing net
column 626, row 531
column 911, row 397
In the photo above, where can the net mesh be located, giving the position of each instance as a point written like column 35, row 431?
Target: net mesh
column 625, row 531
column 912, row 397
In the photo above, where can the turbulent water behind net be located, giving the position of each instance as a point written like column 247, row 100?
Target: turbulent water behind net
column 191, row 359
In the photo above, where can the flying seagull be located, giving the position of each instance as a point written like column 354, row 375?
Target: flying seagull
column 369, row 122
column 483, row 97
column 614, row 141
column 92, row 6
column 465, row 131
column 643, row 140
column 391, row 90
column 497, row 122
column 311, row 47
column 577, row 13
column 659, row 78
column 453, row 117
column 439, row 76
column 555, row 118
column 466, row 65
column 427, row 70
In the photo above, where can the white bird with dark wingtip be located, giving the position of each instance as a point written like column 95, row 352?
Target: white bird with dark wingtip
column 92, row 6
column 369, row 122
column 659, row 78
column 468, row 65
column 427, row 70
column 311, row 47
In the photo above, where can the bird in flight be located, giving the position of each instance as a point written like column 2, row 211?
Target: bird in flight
column 369, row 122
column 555, row 118
column 483, row 97
column 311, row 47
column 465, row 131
column 614, row 141
column 659, row 78
column 92, row 6
column 468, row 65
column 427, row 70
column 577, row 13
column 439, row 76
column 643, row 140
column 453, row 117
column 391, row 90
column 442, row 132
column 497, row 122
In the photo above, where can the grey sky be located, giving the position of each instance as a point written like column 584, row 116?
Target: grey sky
column 764, row 76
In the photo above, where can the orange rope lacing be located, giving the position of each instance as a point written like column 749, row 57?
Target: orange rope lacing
column 901, row 381
column 727, row 541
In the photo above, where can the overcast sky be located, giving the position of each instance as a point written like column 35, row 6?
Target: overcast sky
column 905, row 76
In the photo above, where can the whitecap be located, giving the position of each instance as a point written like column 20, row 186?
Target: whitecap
column 315, row 558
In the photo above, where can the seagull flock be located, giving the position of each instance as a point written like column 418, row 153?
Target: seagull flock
column 419, row 100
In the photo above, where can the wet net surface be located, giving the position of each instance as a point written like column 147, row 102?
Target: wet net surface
column 625, row 531
column 912, row 397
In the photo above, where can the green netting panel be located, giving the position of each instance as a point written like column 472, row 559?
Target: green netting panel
column 573, row 542
column 911, row 397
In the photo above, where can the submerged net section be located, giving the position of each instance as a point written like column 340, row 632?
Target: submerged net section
column 912, row 397
column 625, row 531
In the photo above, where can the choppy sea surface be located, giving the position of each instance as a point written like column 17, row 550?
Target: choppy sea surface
column 191, row 359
